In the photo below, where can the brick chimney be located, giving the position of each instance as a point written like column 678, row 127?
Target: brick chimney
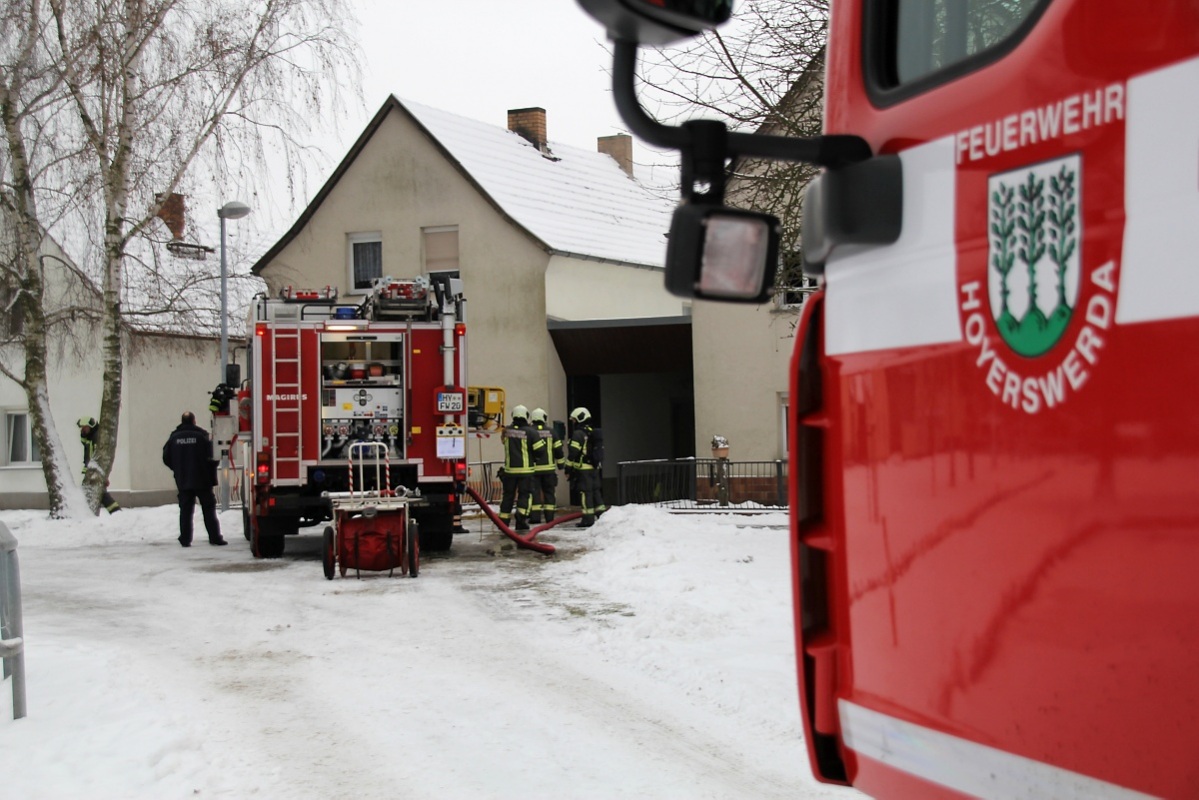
column 172, row 213
column 530, row 124
column 620, row 147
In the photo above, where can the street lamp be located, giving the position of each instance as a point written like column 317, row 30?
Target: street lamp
column 231, row 210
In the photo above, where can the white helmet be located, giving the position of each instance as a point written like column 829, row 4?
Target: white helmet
column 580, row 415
column 520, row 412
column 538, row 415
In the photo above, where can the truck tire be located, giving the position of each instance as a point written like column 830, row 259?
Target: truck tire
column 436, row 531
column 266, row 540
column 413, row 544
column 329, row 553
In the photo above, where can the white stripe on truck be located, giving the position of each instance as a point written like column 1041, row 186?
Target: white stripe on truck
column 903, row 295
column 963, row 765
column 1159, row 278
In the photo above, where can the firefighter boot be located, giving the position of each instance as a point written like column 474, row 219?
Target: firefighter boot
column 522, row 523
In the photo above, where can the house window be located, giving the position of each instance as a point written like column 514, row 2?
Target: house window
column 14, row 318
column 365, row 258
column 19, row 444
column 794, row 292
column 440, row 246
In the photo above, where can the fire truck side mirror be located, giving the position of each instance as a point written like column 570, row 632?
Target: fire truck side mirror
column 720, row 253
column 860, row 204
column 651, row 22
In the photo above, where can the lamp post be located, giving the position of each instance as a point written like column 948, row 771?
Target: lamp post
column 231, row 210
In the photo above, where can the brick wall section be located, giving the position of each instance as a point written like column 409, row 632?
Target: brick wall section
column 620, row 147
column 764, row 490
column 530, row 124
column 173, row 213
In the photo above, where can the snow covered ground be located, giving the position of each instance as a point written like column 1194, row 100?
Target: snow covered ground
column 651, row 657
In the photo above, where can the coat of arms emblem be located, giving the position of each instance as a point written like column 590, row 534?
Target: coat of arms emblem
column 1034, row 228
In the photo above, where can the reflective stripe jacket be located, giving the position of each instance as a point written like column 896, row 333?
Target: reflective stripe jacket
column 520, row 445
column 578, row 456
column 548, row 458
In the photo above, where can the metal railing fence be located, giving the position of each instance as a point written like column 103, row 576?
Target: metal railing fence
column 702, row 483
column 12, row 642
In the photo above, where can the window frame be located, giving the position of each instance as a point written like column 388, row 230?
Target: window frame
column 879, row 36
column 361, row 237
column 34, row 457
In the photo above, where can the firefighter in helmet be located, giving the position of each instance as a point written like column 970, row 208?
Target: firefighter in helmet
column 584, row 457
column 520, row 442
column 546, row 462
column 89, row 432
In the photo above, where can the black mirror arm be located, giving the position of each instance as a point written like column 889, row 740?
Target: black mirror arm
column 832, row 151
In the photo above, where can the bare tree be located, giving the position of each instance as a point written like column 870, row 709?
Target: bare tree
column 762, row 72
column 148, row 95
column 35, row 150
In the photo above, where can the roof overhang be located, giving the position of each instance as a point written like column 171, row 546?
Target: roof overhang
column 599, row 347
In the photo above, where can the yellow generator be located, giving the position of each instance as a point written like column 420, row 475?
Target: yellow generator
column 485, row 407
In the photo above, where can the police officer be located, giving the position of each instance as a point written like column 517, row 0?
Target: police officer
column 521, row 441
column 188, row 452
column 582, row 466
column 89, row 430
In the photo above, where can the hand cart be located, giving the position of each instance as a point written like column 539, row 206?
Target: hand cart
column 372, row 527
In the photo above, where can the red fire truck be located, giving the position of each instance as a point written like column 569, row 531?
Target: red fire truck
column 994, row 456
column 325, row 373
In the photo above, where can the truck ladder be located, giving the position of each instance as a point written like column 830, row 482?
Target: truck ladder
column 287, row 403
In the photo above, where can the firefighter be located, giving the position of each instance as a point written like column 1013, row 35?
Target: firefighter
column 583, row 461
column 218, row 403
column 547, row 460
column 188, row 452
column 521, row 441
column 89, row 430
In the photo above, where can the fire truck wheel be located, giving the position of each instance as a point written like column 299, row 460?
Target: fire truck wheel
column 266, row 540
column 436, row 532
column 329, row 553
column 245, row 519
column 413, row 549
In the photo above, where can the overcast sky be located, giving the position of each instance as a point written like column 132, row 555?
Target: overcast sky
column 478, row 58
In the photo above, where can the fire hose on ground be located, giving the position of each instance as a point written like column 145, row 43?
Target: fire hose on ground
column 526, row 540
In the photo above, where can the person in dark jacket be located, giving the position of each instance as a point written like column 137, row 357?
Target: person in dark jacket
column 582, row 466
column 89, row 430
column 521, row 442
column 546, row 462
column 188, row 452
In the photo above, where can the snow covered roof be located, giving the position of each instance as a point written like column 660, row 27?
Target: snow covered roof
column 576, row 202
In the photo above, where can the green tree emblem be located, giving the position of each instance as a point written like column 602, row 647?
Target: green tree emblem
column 1035, row 221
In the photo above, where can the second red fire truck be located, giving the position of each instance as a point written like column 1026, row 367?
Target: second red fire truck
column 324, row 373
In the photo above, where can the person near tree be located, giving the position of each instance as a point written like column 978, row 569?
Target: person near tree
column 89, row 430
column 188, row 453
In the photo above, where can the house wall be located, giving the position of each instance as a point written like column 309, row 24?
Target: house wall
column 163, row 375
column 741, row 356
column 589, row 290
